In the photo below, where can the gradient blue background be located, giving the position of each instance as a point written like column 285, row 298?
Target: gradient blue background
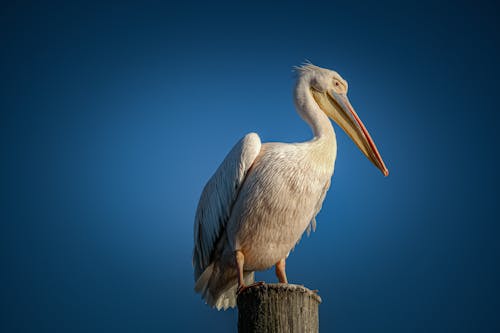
column 114, row 115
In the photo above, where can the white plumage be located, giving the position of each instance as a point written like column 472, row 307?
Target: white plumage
column 263, row 197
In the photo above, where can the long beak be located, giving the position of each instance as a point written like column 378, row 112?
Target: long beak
column 341, row 111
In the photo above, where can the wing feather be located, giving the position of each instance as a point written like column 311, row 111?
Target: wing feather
column 312, row 225
column 218, row 197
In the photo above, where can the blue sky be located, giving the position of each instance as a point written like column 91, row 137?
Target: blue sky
column 114, row 115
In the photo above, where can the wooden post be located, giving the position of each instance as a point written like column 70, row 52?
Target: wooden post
column 278, row 308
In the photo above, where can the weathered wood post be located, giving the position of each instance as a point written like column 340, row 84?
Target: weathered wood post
column 278, row 308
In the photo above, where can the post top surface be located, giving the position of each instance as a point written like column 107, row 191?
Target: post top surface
column 281, row 288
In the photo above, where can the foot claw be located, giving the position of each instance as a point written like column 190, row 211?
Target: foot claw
column 240, row 289
column 243, row 287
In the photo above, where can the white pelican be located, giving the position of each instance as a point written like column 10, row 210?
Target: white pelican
column 263, row 197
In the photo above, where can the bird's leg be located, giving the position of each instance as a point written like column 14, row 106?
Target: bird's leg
column 240, row 261
column 280, row 271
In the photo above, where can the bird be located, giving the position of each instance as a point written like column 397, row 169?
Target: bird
column 264, row 196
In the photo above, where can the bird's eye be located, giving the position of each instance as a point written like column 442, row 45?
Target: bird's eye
column 337, row 83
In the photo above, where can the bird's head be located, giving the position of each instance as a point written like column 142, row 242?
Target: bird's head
column 329, row 91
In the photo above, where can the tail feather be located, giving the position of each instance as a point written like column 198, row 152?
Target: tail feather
column 202, row 283
column 217, row 285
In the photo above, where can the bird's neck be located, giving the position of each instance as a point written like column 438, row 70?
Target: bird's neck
column 310, row 111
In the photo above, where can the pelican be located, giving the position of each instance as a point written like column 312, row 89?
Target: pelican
column 263, row 197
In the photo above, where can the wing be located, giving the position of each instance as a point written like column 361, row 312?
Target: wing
column 312, row 225
column 218, row 197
